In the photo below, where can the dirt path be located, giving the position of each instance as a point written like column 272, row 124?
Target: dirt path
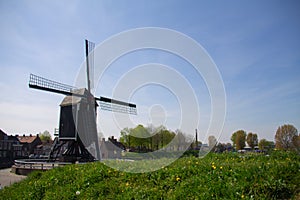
column 7, row 178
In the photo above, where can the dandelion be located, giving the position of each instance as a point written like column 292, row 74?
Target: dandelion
column 77, row 193
column 243, row 196
column 177, row 179
column 127, row 184
column 221, row 167
column 213, row 166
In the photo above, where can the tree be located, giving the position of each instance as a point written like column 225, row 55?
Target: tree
column 167, row 137
column 137, row 137
column 286, row 137
column 180, row 140
column 265, row 144
column 45, row 136
column 252, row 140
column 140, row 137
column 238, row 139
column 297, row 142
column 212, row 141
column 220, row 148
column 125, row 137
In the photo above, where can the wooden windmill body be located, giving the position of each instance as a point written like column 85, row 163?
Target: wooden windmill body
column 77, row 139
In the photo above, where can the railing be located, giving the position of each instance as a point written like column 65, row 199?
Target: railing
column 38, row 164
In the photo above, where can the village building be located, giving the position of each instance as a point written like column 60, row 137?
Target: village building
column 111, row 149
column 29, row 143
column 7, row 153
column 43, row 150
column 20, row 147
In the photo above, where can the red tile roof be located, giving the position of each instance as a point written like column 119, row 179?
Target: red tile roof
column 27, row 139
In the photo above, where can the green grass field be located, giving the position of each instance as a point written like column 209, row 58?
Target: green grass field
column 216, row 176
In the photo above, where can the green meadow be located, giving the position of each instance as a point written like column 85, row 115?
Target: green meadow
column 216, row 176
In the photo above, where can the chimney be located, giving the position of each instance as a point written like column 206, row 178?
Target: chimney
column 30, row 135
column 103, row 139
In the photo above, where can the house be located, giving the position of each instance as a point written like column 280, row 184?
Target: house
column 111, row 149
column 29, row 143
column 7, row 153
column 44, row 149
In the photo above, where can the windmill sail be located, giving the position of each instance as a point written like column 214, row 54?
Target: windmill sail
column 107, row 104
column 117, row 106
column 89, row 53
column 41, row 83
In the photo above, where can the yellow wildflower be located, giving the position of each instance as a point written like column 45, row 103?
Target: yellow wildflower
column 177, row 179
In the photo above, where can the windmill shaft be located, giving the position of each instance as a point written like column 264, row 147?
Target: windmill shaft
column 50, row 89
column 114, row 101
column 87, row 65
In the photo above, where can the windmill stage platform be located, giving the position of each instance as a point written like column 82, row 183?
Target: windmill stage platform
column 26, row 166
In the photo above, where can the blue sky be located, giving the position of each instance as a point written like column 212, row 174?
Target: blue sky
column 255, row 45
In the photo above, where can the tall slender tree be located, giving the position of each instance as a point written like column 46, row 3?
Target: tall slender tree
column 212, row 141
column 238, row 139
column 252, row 140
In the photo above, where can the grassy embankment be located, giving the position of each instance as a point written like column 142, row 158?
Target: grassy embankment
column 217, row 176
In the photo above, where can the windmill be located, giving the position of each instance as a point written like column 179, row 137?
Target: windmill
column 77, row 136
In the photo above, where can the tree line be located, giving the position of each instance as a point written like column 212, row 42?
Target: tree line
column 286, row 138
column 144, row 139
column 152, row 138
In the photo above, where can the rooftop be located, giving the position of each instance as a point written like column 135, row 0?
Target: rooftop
column 27, row 139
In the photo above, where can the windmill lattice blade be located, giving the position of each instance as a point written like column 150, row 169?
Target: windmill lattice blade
column 41, row 83
column 116, row 105
column 117, row 108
